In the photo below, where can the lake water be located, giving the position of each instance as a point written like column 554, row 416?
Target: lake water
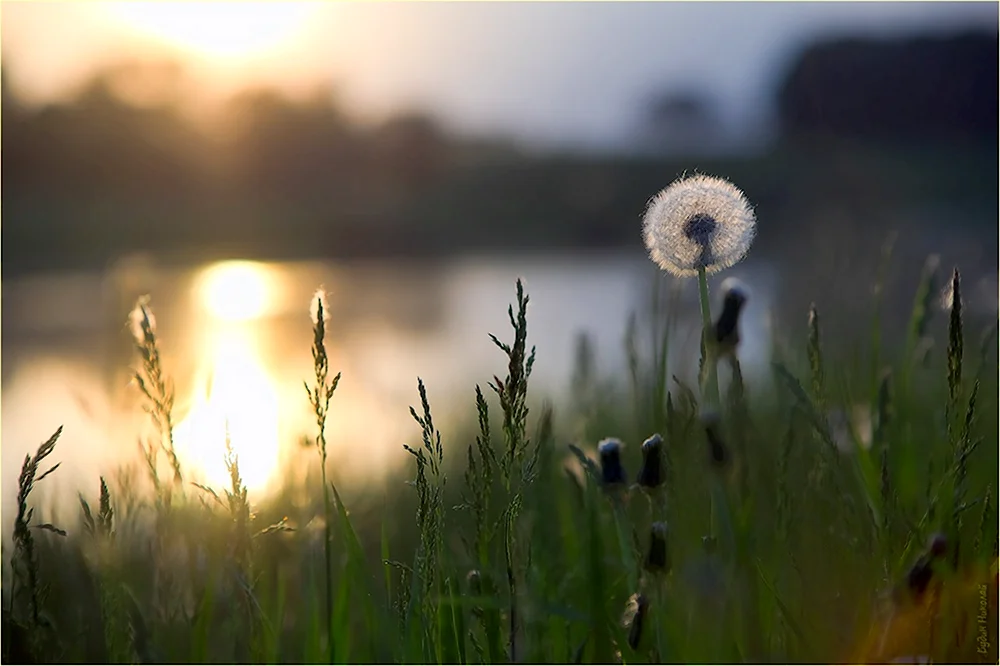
column 236, row 339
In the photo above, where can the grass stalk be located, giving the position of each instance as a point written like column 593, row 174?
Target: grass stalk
column 319, row 398
column 816, row 357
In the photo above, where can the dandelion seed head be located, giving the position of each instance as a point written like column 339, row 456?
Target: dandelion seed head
column 698, row 222
column 319, row 299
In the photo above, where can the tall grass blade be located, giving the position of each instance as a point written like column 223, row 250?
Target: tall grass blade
column 815, row 356
column 955, row 347
column 921, row 312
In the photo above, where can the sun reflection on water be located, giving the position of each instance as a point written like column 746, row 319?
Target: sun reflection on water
column 239, row 393
column 235, row 389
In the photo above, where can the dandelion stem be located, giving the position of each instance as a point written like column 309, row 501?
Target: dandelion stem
column 709, row 370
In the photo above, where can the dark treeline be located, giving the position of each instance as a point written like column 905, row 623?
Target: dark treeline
column 911, row 90
column 868, row 128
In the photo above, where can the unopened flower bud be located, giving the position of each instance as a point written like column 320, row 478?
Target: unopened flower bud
column 612, row 472
column 638, row 620
column 475, row 582
column 726, row 330
column 658, row 556
column 651, row 473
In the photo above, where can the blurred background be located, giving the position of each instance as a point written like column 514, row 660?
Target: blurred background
column 415, row 160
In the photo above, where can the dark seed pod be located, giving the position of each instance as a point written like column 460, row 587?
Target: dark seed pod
column 658, row 556
column 612, row 472
column 475, row 582
column 651, row 473
column 638, row 621
column 937, row 545
column 920, row 575
column 726, row 329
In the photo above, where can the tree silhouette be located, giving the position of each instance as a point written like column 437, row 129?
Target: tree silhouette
column 917, row 89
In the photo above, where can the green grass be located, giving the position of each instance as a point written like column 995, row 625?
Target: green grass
column 765, row 541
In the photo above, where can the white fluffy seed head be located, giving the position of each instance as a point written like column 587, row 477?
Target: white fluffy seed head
column 698, row 222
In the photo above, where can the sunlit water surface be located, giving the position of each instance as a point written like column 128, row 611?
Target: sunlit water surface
column 236, row 340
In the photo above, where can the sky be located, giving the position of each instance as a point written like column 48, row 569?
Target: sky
column 570, row 74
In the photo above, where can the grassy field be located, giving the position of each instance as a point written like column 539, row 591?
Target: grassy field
column 849, row 514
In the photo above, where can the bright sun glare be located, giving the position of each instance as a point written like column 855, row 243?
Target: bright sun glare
column 238, row 393
column 235, row 291
column 217, row 30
